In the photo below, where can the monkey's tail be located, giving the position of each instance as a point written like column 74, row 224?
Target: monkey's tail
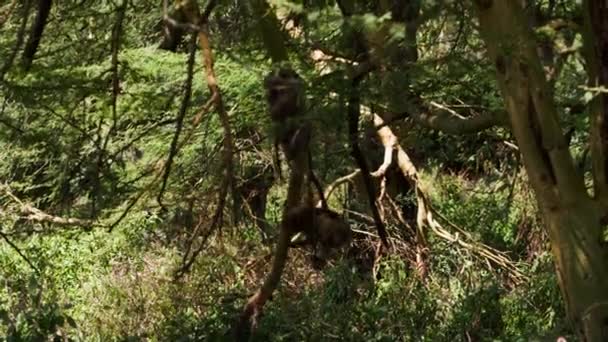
column 316, row 182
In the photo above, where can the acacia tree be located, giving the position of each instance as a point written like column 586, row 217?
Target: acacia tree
column 574, row 219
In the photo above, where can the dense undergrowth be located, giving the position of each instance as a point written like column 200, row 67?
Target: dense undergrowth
column 66, row 151
column 120, row 286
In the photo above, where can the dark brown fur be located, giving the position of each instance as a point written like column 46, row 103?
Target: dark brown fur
column 285, row 96
column 324, row 230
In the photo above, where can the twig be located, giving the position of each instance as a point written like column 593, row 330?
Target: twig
column 13, row 246
column 179, row 120
column 227, row 182
column 447, row 109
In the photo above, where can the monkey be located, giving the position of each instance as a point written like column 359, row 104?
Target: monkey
column 285, row 97
column 285, row 94
column 323, row 229
column 293, row 132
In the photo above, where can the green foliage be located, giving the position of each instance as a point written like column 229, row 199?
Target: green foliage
column 66, row 150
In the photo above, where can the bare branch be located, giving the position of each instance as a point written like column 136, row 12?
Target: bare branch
column 446, row 120
column 179, row 120
column 14, row 246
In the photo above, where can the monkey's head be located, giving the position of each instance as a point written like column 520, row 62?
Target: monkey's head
column 334, row 232
column 284, row 93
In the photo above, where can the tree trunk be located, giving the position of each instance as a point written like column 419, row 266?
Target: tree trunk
column 572, row 218
column 596, row 53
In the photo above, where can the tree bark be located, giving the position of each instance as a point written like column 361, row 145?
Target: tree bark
column 572, row 218
column 44, row 8
column 596, row 53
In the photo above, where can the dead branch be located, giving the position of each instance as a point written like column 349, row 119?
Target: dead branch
column 33, row 214
column 37, row 215
column 425, row 210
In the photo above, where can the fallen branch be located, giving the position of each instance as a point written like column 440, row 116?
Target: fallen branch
column 31, row 213
column 37, row 215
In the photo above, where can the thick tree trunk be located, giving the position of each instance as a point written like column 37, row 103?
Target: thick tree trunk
column 572, row 218
column 596, row 53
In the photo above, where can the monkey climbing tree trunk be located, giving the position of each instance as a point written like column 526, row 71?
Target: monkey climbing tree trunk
column 572, row 218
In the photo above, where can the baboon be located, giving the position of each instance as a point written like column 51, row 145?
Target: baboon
column 292, row 130
column 285, row 94
column 322, row 229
